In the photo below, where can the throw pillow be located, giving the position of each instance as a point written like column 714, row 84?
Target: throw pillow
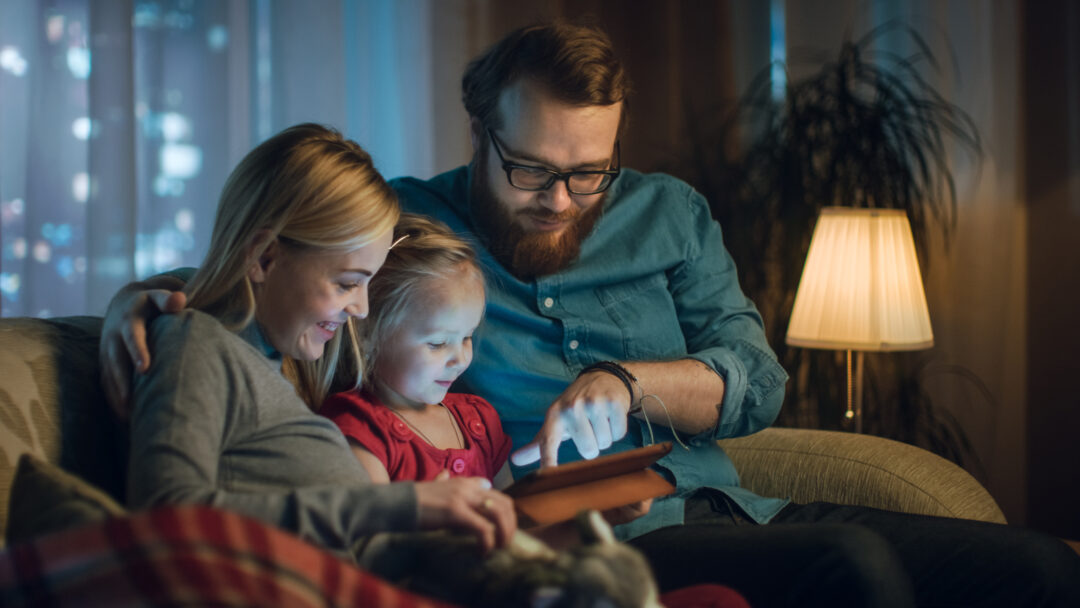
column 45, row 498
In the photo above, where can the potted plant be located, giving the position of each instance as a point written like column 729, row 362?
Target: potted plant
column 866, row 130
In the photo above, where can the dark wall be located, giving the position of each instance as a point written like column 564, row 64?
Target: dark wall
column 1051, row 74
column 678, row 54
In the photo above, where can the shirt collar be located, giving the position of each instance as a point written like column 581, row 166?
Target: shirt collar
column 253, row 335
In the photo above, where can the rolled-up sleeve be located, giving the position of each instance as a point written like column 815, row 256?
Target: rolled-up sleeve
column 723, row 329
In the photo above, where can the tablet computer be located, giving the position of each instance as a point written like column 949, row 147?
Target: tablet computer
column 558, row 493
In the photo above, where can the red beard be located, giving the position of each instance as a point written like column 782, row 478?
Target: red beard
column 528, row 254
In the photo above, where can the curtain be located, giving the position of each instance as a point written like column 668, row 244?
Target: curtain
column 120, row 120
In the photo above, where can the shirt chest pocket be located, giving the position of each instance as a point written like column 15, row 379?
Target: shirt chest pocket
column 643, row 318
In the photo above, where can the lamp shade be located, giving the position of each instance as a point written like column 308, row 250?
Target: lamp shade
column 861, row 288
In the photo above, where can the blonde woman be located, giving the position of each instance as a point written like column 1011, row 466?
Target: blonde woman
column 220, row 416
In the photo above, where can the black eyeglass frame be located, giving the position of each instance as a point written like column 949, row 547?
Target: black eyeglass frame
column 553, row 175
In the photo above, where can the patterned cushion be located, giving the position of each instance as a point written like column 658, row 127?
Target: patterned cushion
column 45, row 498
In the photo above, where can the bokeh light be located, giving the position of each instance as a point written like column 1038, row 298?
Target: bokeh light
column 58, row 235
column 18, row 248
column 167, row 186
column 181, row 161
column 185, row 220
column 11, row 60
column 80, row 187
column 65, row 267
column 160, row 251
column 78, row 62
column 9, row 284
column 11, row 210
column 82, row 128
column 42, row 252
column 54, row 28
column 175, row 127
column 217, row 37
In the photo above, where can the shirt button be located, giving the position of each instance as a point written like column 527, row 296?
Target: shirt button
column 548, row 302
column 573, row 344
column 458, row 465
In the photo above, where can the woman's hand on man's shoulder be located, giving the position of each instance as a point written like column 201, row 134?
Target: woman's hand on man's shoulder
column 123, row 348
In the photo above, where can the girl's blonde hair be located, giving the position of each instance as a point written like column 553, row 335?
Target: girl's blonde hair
column 311, row 188
column 425, row 250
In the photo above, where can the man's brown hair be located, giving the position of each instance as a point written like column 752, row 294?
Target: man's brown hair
column 575, row 64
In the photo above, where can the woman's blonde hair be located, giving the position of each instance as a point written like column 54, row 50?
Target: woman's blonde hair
column 425, row 250
column 311, row 188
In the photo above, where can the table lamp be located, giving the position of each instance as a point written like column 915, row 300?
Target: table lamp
column 860, row 291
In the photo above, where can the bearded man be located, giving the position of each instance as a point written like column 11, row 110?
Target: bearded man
column 588, row 262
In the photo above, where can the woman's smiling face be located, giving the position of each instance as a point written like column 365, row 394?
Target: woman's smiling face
column 303, row 297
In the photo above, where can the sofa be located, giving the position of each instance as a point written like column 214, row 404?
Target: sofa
column 52, row 408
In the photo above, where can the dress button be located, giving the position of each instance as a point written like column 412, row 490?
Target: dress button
column 548, row 302
column 400, row 431
column 458, row 465
column 573, row 344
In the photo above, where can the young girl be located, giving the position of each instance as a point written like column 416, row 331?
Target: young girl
column 426, row 302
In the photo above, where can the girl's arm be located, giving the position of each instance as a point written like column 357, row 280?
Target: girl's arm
column 371, row 463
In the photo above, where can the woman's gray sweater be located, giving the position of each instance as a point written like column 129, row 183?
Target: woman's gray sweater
column 216, row 423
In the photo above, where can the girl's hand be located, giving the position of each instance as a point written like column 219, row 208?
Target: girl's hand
column 567, row 534
column 467, row 504
column 628, row 513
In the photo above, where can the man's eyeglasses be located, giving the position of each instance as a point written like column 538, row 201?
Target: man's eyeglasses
column 532, row 178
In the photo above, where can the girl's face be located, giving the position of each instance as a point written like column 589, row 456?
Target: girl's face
column 302, row 297
column 421, row 357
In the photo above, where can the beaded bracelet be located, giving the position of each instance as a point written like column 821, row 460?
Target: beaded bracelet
column 616, row 370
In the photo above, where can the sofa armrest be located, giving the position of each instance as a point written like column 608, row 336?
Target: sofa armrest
column 52, row 406
column 846, row 468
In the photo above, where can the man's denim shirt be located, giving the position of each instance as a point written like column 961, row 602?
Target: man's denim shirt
column 653, row 282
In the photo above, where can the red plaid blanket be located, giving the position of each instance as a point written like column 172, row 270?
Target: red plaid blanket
column 196, row 556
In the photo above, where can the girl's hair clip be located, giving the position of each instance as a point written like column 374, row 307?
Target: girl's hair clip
column 399, row 239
